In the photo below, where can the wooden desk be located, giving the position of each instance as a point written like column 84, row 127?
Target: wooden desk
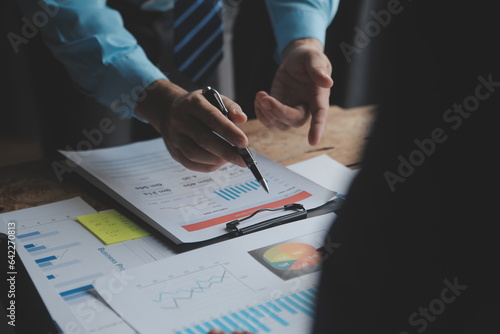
column 34, row 183
column 343, row 140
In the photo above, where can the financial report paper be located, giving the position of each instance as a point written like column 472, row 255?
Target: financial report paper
column 190, row 206
column 63, row 258
column 266, row 282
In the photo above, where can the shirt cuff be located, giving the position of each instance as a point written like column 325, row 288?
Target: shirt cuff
column 306, row 24
column 125, row 80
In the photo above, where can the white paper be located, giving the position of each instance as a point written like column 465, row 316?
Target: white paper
column 190, row 206
column 261, row 282
column 326, row 171
column 63, row 258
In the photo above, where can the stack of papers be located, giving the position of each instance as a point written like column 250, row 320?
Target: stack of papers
column 261, row 282
column 189, row 206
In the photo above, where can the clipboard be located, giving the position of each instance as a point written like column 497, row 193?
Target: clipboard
column 37, row 312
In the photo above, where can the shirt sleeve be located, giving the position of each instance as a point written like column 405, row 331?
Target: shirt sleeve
column 101, row 56
column 294, row 19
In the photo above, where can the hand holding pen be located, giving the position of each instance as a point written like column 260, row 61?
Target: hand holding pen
column 214, row 97
column 187, row 122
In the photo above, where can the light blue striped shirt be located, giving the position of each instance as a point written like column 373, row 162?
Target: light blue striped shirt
column 104, row 59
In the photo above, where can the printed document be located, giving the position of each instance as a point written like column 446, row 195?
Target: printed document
column 189, row 206
column 63, row 258
column 265, row 282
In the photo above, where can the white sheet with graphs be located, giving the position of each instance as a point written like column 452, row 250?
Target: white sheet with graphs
column 265, row 282
column 258, row 281
column 190, row 206
column 63, row 259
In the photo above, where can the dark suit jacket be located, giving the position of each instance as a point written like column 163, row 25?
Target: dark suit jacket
column 418, row 237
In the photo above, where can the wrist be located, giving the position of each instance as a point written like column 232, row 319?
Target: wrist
column 309, row 43
column 158, row 98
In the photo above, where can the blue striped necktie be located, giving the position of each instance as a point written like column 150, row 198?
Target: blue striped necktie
column 197, row 38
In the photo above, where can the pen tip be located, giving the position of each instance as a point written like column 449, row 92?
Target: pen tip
column 264, row 185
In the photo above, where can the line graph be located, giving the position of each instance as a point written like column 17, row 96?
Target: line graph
column 170, row 299
column 194, row 289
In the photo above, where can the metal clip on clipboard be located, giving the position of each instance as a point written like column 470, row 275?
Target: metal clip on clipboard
column 300, row 213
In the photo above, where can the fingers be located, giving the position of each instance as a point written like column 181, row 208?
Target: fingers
column 320, row 77
column 236, row 115
column 319, row 70
column 275, row 114
column 200, row 137
column 215, row 121
column 317, row 127
column 319, row 109
column 200, row 158
column 218, row 331
column 200, row 149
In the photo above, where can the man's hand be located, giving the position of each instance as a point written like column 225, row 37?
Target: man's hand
column 218, row 331
column 187, row 122
column 300, row 89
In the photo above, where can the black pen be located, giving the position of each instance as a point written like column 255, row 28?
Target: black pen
column 215, row 99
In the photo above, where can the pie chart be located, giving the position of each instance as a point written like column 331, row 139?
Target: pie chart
column 292, row 256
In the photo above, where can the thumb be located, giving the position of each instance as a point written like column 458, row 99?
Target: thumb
column 320, row 70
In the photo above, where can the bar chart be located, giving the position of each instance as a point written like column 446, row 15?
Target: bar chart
column 273, row 316
column 63, row 259
column 237, row 191
column 63, row 268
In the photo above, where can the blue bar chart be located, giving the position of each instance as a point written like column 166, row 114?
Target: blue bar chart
column 62, row 259
column 36, row 249
column 76, row 293
column 237, row 191
column 35, row 235
column 271, row 316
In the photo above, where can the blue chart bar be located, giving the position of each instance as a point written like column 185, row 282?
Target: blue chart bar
column 234, row 326
column 27, row 235
column 35, row 235
column 220, row 325
column 273, row 314
column 75, row 293
column 60, row 265
column 200, row 329
column 45, row 264
column 297, row 306
column 266, row 317
column 78, row 280
column 34, row 249
column 234, row 192
column 45, row 259
column 42, row 249
column 253, row 319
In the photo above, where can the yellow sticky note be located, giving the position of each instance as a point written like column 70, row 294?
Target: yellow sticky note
column 112, row 227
